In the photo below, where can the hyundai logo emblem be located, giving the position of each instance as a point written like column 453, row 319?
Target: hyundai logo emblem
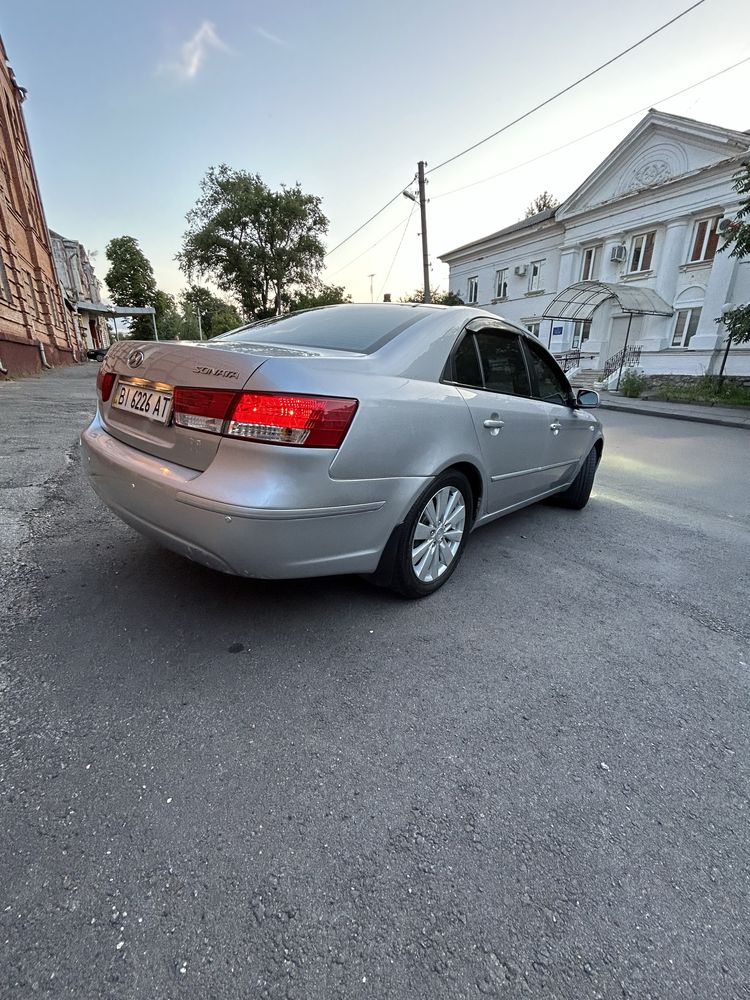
column 135, row 359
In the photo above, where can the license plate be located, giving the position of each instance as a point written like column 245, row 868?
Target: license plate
column 154, row 404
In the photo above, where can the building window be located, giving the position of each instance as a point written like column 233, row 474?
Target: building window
column 501, row 283
column 4, row 285
column 535, row 276
column 533, row 328
column 581, row 332
column 472, row 290
column 685, row 326
column 590, row 261
column 641, row 252
column 33, row 296
column 706, row 239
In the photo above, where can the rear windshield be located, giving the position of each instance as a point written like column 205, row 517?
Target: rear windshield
column 361, row 329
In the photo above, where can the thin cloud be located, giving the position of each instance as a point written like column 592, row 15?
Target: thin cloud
column 269, row 36
column 193, row 52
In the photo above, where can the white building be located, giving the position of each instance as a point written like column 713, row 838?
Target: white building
column 632, row 253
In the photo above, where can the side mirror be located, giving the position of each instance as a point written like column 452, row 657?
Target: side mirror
column 587, row 399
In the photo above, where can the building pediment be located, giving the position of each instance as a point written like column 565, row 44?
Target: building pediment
column 660, row 150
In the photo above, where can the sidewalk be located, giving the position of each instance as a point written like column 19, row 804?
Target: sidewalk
column 725, row 416
column 40, row 420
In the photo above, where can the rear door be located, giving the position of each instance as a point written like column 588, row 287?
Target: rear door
column 570, row 430
column 489, row 368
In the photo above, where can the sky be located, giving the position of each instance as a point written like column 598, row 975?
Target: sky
column 129, row 105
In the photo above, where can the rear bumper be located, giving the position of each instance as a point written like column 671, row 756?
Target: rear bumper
column 238, row 532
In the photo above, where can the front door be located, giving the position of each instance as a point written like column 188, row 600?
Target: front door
column 570, row 431
column 490, row 371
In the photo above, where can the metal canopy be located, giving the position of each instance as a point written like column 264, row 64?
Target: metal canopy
column 581, row 300
column 106, row 310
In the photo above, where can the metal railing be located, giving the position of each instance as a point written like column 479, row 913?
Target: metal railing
column 627, row 356
column 568, row 360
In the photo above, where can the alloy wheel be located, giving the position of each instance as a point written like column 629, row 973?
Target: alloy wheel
column 438, row 533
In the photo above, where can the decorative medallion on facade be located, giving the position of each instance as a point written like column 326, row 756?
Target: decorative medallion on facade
column 650, row 174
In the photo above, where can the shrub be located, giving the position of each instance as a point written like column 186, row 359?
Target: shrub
column 632, row 383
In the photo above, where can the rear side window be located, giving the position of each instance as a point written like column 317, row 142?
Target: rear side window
column 492, row 360
column 360, row 329
column 551, row 384
column 466, row 370
column 503, row 364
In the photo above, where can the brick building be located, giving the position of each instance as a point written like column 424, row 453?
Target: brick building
column 34, row 327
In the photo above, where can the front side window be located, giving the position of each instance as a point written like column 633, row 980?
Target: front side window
column 548, row 381
column 535, row 276
column 685, row 326
column 589, row 267
column 501, row 283
column 642, row 252
column 472, row 289
column 705, row 239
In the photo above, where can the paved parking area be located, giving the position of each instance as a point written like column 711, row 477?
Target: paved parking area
column 533, row 784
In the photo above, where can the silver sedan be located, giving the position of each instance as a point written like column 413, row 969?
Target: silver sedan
column 349, row 439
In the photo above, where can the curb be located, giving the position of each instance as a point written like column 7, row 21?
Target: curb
column 720, row 421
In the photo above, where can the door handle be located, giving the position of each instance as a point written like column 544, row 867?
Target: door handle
column 555, row 427
column 493, row 423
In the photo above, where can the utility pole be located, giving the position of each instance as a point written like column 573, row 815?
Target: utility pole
column 371, row 276
column 423, row 212
column 200, row 327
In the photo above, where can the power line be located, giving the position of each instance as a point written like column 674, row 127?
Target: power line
column 580, row 138
column 380, row 239
column 570, row 87
column 398, row 248
column 379, row 212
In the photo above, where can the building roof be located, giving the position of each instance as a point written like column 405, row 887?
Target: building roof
column 734, row 140
column 547, row 215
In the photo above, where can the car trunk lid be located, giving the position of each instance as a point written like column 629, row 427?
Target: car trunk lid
column 161, row 366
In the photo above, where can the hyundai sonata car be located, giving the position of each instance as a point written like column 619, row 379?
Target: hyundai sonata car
column 369, row 439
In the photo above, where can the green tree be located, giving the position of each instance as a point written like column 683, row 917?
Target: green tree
column 131, row 281
column 169, row 321
column 437, row 297
column 315, row 295
column 541, row 203
column 737, row 320
column 217, row 315
column 254, row 243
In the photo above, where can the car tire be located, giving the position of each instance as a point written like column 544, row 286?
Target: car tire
column 443, row 511
column 576, row 496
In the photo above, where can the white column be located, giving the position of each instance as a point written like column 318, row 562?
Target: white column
column 709, row 335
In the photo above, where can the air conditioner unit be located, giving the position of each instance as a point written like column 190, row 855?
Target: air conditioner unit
column 520, row 270
column 725, row 224
column 619, row 253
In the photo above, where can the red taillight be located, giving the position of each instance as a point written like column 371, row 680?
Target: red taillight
column 274, row 418
column 104, row 383
column 312, row 421
column 202, row 409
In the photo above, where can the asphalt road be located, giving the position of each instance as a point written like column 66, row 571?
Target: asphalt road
column 533, row 784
